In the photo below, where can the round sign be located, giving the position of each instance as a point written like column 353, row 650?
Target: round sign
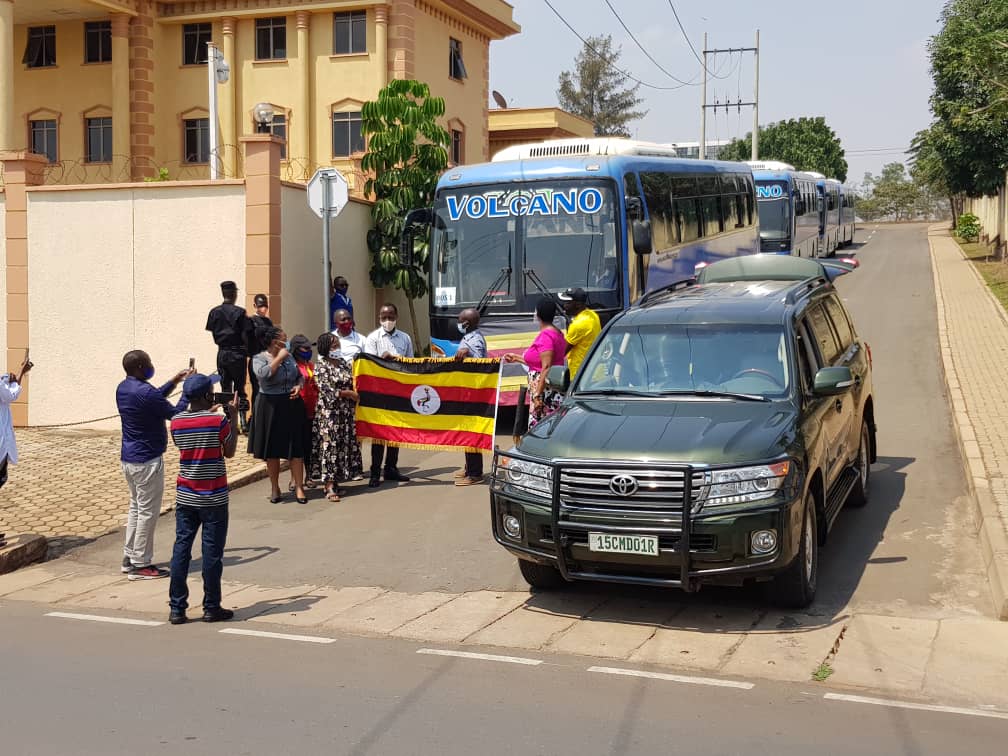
column 425, row 400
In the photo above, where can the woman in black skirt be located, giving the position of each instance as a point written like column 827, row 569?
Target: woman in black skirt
column 278, row 418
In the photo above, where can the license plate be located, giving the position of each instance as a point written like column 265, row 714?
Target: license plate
column 623, row 544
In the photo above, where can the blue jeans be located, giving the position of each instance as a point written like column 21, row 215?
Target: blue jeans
column 187, row 521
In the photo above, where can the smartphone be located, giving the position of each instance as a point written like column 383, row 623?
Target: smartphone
column 223, row 397
column 192, row 363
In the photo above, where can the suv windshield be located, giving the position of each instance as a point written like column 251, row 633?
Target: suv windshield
column 657, row 359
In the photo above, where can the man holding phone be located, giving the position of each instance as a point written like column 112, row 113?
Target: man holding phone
column 10, row 390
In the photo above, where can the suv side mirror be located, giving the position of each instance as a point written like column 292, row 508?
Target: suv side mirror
column 558, row 379
column 832, row 381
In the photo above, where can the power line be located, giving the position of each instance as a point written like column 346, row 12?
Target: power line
column 703, row 63
column 661, row 68
column 609, row 63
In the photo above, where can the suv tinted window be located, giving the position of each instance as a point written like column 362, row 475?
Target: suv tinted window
column 840, row 322
column 822, row 332
column 806, row 358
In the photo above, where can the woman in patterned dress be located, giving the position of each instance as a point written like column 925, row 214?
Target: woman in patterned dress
column 336, row 453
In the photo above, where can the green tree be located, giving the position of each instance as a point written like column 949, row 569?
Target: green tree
column 808, row 144
column 598, row 91
column 407, row 150
column 928, row 171
column 969, row 64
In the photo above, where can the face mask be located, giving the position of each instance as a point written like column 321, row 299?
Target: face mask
column 304, row 354
column 463, row 328
column 344, row 329
column 334, row 354
column 149, row 373
column 388, row 325
column 287, row 345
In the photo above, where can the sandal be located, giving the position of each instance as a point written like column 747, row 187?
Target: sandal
column 332, row 496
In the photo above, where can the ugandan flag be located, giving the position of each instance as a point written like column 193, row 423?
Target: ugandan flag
column 427, row 403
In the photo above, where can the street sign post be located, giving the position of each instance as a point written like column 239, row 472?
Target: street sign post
column 328, row 194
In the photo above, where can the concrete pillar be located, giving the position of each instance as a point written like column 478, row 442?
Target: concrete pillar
column 300, row 146
column 120, row 87
column 262, row 221
column 229, row 149
column 402, row 40
column 141, row 92
column 381, row 44
column 20, row 170
column 8, row 140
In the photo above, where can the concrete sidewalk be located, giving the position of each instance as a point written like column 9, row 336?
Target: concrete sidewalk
column 69, row 486
column 973, row 335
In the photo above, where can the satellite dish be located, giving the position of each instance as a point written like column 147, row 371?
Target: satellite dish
column 499, row 99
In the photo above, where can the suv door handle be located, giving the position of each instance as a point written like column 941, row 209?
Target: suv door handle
column 839, row 405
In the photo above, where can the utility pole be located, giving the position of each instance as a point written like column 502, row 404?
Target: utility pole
column 212, row 109
column 754, row 104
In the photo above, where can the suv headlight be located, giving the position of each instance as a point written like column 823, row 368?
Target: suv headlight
column 741, row 485
column 524, row 477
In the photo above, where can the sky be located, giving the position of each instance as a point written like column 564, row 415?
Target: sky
column 863, row 65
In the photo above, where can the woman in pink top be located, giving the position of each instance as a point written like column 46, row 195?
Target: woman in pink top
column 547, row 350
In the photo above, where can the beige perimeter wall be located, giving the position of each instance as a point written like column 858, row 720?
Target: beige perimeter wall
column 117, row 268
column 3, row 282
column 993, row 215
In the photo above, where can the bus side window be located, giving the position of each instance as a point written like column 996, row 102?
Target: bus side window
column 688, row 218
column 658, row 196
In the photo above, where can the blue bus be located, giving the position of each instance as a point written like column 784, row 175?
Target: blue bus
column 847, row 225
column 615, row 217
column 788, row 209
column 829, row 214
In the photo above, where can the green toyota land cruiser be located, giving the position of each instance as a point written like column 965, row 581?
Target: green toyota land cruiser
column 712, row 435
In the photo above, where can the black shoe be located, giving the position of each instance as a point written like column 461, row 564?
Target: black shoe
column 178, row 618
column 127, row 565
column 395, row 475
column 374, row 482
column 217, row 615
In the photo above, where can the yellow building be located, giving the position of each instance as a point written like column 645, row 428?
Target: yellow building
column 510, row 126
column 117, row 90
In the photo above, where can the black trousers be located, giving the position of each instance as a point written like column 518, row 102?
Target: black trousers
column 253, row 383
column 391, row 458
column 473, row 465
column 231, row 369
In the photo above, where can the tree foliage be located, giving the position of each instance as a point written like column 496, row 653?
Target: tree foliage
column 969, row 64
column 407, row 151
column 893, row 195
column 808, row 144
column 597, row 91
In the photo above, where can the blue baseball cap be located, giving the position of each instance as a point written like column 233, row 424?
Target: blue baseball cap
column 199, row 385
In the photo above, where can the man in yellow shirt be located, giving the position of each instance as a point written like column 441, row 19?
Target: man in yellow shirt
column 583, row 329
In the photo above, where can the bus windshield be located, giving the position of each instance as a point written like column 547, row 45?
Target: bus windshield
column 509, row 244
column 774, row 219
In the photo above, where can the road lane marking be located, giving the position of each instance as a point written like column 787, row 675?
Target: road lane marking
column 481, row 657
column 917, row 706
column 278, row 636
column 688, row 679
column 97, row 618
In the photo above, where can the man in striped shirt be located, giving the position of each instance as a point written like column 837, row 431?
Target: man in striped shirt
column 204, row 438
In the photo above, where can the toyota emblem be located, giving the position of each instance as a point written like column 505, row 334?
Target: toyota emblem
column 623, row 485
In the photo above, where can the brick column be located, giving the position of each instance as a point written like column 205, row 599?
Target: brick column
column 20, row 170
column 226, row 102
column 262, row 221
column 401, row 40
column 8, row 139
column 300, row 145
column 141, row 92
column 120, row 86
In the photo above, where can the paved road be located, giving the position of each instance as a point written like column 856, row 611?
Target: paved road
column 910, row 552
column 193, row 690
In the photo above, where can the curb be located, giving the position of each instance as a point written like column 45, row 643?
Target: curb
column 990, row 530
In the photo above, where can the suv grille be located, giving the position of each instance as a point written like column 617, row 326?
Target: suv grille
column 630, row 488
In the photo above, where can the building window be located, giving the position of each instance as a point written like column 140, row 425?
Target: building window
column 271, row 38
column 99, row 140
column 40, row 51
column 349, row 32
column 456, row 68
column 97, row 41
column 197, row 140
column 43, row 138
column 346, row 134
column 194, row 44
column 279, row 129
column 457, row 147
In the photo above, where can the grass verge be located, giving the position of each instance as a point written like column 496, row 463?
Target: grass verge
column 994, row 272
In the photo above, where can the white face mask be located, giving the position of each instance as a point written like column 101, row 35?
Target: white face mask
column 334, row 353
column 388, row 325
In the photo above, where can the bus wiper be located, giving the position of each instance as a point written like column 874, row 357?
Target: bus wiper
column 531, row 274
column 708, row 392
column 505, row 275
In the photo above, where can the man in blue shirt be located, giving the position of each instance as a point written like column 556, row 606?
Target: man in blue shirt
column 340, row 300
column 143, row 410
column 472, row 345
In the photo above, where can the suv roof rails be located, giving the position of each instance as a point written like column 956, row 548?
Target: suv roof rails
column 805, row 287
column 667, row 289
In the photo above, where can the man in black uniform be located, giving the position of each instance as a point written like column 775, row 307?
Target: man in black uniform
column 229, row 326
column 258, row 324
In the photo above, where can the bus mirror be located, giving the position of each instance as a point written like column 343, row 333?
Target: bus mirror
column 641, row 230
column 634, row 208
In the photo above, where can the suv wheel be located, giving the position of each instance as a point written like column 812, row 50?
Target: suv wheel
column 795, row 588
column 858, row 496
column 542, row 576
